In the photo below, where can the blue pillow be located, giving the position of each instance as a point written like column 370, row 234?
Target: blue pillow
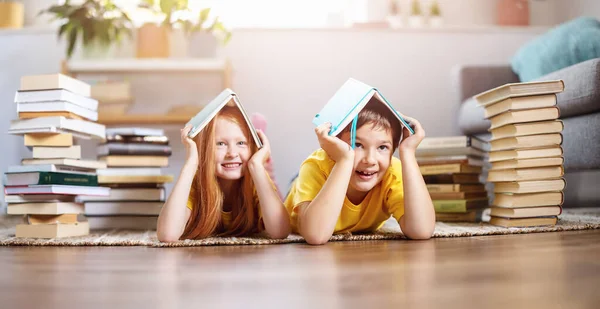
column 565, row 45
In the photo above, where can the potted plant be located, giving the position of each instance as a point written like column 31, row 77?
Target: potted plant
column 415, row 20
column 435, row 15
column 95, row 25
column 394, row 18
column 170, row 36
column 11, row 14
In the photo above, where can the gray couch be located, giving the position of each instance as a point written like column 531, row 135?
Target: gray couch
column 579, row 106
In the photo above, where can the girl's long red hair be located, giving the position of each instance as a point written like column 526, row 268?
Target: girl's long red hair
column 205, row 219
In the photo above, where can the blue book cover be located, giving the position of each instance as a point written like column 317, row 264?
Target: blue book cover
column 347, row 102
column 226, row 97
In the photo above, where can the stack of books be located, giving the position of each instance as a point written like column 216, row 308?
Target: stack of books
column 452, row 168
column 525, row 153
column 134, row 157
column 53, row 111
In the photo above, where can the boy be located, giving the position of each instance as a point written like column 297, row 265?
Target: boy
column 340, row 189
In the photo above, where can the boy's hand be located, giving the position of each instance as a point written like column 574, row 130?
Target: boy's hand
column 411, row 142
column 264, row 153
column 335, row 148
column 190, row 146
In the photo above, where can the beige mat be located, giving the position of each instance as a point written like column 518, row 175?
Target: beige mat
column 570, row 220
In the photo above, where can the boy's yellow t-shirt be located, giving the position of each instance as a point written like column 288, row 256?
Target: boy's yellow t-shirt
column 386, row 199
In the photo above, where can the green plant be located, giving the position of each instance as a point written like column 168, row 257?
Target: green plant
column 94, row 21
column 435, row 9
column 415, row 8
column 175, row 12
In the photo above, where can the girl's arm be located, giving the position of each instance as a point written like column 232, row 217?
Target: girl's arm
column 274, row 214
column 418, row 221
column 317, row 218
column 174, row 213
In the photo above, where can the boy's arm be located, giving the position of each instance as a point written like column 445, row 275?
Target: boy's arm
column 418, row 221
column 274, row 214
column 318, row 217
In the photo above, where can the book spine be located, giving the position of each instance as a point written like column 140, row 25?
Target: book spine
column 450, row 205
column 51, row 178
column 115, row 149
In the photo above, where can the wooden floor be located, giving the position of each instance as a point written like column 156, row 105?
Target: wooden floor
column 550, row 270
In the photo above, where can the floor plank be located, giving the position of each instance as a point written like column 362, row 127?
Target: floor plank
column 549, row 270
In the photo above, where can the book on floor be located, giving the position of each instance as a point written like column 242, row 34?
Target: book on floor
column 45, row 208
column 524, row 116
column 457, row 195
column 52, row 230
column 39, row 198
column 452, row 179
column 54, row 140
column 454, row 151
column 461, row 159
column 129, row 194
column 453, row 142
column 104, row 179
column 54, row 81
column 440, row 188
column 56, row 95
column 513, row 90
column 518, row 154
column 133, row 149
column 135, row 161
column 67, row 163
column 160, row 140
column 528, row 199
column 529, row 141
column 526, row 212
column 519, row 103
column 523, row 222
column 123, row 222
column 470, row 216
column 526, row 163
column 82, row 128
column 53, row 219
column 134, row 131
column 532, row 128
column 57, row 189
column 524, row 174
column 208, row 113
column 49, row 178
column 49, row 168
column 57, row 107
column 460, row 205
column 122, row 208
column 43, row 152
column 343, row 107
column 449, row 169
column 530, row 186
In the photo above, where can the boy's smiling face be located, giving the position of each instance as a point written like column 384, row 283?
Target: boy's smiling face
column 373, row 154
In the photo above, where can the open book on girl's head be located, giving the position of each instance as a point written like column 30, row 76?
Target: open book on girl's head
column 227, row 97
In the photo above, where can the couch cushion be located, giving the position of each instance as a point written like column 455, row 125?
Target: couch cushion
column 582, row 88
column 581, row 142
column 471, row 118
column 565, row 45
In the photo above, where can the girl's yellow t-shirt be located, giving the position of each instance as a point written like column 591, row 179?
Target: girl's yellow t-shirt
column 386, row 199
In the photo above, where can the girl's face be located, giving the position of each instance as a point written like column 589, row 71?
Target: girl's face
column 231, row 149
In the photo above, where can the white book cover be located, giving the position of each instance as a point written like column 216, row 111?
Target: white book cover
column 93, row 129
column 55, row 81
column 143, row 171
column 128, row 194
column 56, row 95
column 135, row 131
column 73, row 152
column 58, row 189
column 122, row 208
column 57, row 106
column 47, row 168
column 67, row 163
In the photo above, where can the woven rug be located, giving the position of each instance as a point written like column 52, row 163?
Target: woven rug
column 570, row 220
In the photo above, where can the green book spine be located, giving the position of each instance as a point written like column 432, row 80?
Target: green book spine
column 450, row 205
column 53, row 178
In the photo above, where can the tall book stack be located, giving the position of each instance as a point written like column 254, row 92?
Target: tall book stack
column 525, row 153
column 134, row 157
column 452, row 168
column 54, row 110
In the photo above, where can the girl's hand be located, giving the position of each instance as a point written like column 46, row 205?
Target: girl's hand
column 190, row 147
column 335, row 148
column 264, row 153
column 411, row 142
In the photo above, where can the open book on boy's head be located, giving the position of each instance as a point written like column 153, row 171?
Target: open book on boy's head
column 208, row 113
column 343, row 108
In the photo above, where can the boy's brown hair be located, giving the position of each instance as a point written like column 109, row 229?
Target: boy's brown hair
column 380, row 117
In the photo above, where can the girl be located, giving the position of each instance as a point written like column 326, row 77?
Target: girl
column 224, row 184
